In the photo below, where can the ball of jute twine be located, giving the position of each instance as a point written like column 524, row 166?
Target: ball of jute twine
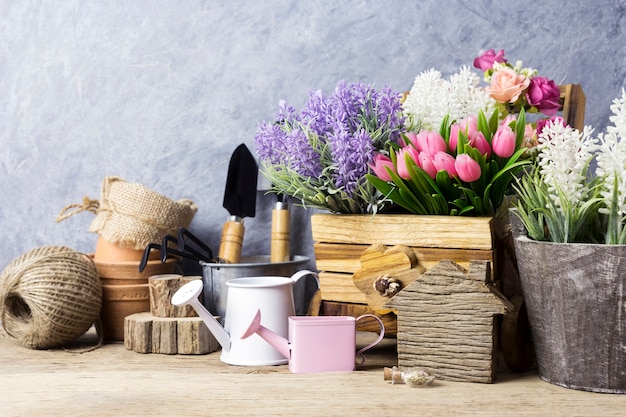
column 49, row 296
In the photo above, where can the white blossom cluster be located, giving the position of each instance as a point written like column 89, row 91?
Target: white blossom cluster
column 612, row 159
column 518, row 68
column 564, row 155
column 431, row 97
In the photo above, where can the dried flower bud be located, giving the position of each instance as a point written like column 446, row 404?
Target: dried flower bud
column 387, row 286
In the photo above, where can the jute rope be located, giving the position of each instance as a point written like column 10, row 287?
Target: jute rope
column 49, row 297
column 131, row 215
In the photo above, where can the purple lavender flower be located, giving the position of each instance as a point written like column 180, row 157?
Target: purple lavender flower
column 302, row 157
column 316, row 113
column 352, row 154
column 333, row 139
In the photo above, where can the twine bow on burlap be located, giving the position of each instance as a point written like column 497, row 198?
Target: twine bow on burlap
column 87, row 205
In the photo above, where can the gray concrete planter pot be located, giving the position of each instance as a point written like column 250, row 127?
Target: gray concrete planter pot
column 576, row 301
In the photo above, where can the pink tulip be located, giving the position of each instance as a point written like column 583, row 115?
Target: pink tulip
column 455, row 129
column 469, row 125
column 427, row 164
column 510, row 118
column 380, row 165
column 445, row 162
column 467, row 169
column 477, row 140
column 411, row 136
column 503, row 142
column 401, row 155
column 486, row 60
column 429, row 142
column 530, row 136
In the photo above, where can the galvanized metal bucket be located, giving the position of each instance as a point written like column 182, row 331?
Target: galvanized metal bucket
column 575, row 295
column 215, row 276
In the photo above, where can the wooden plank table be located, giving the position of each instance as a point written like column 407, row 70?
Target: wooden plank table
column 113, row 381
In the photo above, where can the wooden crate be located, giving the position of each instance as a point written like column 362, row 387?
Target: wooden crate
column 573, row 105
column 340, row 240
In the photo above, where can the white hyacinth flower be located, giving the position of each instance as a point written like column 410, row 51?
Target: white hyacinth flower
column 432, row 98
column 612, row 159
column 564, row 155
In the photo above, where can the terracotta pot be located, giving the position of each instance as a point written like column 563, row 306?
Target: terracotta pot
column 125, row 273
column 119, row 301
column 125, row 291
column 112, row 252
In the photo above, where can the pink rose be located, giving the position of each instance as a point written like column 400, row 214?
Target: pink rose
column 380, row 165
column 467, row 169
column 544, row 94
column 445, row 162
column 429, row 142
column 507, row 85
column 486, row 60
column 541, row 123
column 503, row 142
column 402, row 155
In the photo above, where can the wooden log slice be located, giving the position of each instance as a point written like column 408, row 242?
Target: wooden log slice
column 162, row 288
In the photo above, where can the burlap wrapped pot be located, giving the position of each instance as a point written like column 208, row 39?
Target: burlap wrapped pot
column 133, row 216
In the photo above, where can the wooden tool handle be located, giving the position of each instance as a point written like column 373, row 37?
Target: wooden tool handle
column 232, row 239
column 280, row 239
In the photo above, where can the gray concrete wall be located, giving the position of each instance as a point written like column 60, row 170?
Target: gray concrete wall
column 160, row 92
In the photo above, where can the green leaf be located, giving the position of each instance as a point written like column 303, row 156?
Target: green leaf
column 483, row 126
column 520, row 128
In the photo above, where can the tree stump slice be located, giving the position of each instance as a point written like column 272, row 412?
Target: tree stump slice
column 194, row 338
column 144, row 333
column 164, row 335
column 162, row 288
column 138, row 332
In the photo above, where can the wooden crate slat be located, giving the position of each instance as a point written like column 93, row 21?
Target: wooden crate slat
column 337, row 286
column 574, row 101
column 337, row 257
column 409, row 230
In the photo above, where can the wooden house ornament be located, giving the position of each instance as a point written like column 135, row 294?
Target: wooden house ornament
column 446, row 322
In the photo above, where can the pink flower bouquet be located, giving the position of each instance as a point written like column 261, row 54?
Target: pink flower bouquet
column 515, row 88
column 465, row 168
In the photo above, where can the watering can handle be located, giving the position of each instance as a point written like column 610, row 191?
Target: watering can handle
column 371, row 345
column 303, row 273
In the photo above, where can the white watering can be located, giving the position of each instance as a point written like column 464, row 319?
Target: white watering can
column 316, row 343
column 272, row 294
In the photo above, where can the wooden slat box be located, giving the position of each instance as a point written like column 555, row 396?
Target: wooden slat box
column 340, row 239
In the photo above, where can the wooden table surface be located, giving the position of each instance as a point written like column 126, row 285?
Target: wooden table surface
column 113, row 381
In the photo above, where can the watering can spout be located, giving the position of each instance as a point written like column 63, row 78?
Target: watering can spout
column 188, row 294
column 278, row 342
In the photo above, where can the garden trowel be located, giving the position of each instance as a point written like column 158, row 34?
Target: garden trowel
column 239, row 200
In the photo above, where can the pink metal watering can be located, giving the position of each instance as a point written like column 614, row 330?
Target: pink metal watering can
column 317, row 343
